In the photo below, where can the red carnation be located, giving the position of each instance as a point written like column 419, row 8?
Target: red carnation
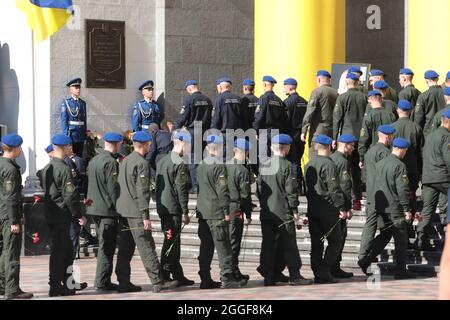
column 35, row 237
column 169, row 234
column 37, row 199
column 240, row 215
column 305, row 222
column 88, row 202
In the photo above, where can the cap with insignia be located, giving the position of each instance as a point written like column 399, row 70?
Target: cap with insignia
column 74, row 82
column 142, row 136
column 406, row 71
column 191, row 83
column 49, row 148
column 324, row 140
column 431, row 74
column 147, row 84
column 404, row 105
column 214, row 139
column 353, row 76
column 376, row 72
column 12, row 140
column 183, row 136
column 447, row 91
column 283, row 139
column 323, row 73
column 401, row 143
column 61, row 140
column 290, row 82
column 381, row 85
column 347, row 138
column 355, row 70
column 248, row 82
column 269, row 79
column 386, row 129
column 446, row 114
column 242, row 144
column 113, row 137
column 224, row 79
column 374, row 93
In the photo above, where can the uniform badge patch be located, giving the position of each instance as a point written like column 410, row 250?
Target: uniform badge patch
column 345, row 175
column 183, row 110
column 222, row 180
column 258, row 109
column 69, row 187
column 405, row 179
column 144, row 179
column 8, row 186
column 363, row 132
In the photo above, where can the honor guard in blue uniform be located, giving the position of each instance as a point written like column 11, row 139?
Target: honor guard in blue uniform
column 146, row 111
column 73, row 116
column 249, row 100
column 197, row 108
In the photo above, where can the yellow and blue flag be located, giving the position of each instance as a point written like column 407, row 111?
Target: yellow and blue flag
column 45, row 17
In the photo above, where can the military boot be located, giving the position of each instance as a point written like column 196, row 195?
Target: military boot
column 324, row 276
column 56, row 291
column 128, row 287
column 338, row 273
column 19, row 295
column 165, row 285
column 207, row 282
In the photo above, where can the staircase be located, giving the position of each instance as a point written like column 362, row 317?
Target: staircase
column 423, row 263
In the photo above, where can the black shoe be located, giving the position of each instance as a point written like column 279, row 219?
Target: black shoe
column 61, row 291
column 239, row 276
column 185, row 282
column 423, row 245
column 269, row 282
column 166, row 285
column 78, row 286
column 108, row 287
column 210, row 284
column 404, row 274
column 364, row 265
column 301, row 281
column 341, row 274
column 325, row 280
column 19, row 295
column 281, row 278
column 128, row 287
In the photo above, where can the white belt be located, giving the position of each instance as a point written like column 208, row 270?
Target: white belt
column 76, row 123
column 145, row 126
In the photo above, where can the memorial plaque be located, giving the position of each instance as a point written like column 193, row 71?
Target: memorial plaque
column 105, row 54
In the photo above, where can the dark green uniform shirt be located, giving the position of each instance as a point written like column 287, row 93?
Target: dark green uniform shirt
column 277, row 190
column 362, row 89
column 213, row 200
column 349, row 113
column 239, row 181
column 411, row 94
column 319, row 113
column 437, row 118
column 428, row 104
column 324, row 193
column 62, row 200
column 103, row 188
column 134, row 182
column 391, row 95
column 172, row 186
column 376, row 153
column 369, row 132
column 10, row 191
column 344, row 170
column 436, row 157
column 391, row 187
column 409, row 130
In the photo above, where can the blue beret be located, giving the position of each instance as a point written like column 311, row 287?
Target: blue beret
column 380, row 85
column 142, row 136
column 353, row 76
column 431, row 74
column 242, row 144
column 12, row 140
column 290, row 82
column 355, row 70
column 386, row 129
column 404, row 105
column 61, row 140
column 248, row 82
column 113, row 137
column 376, row 72
column 224, row 79
column 406, row 71
column 214, row 139
column 374, row 93
column 323, row 73
column 401, row 143
column 446, row 114
column 74, row 82
column 183, row 136
column 282, row 139
column 49, row 148
column 323, row 139
column 190, row 83
column 347, row 138
column 447, row 91
column 146, row 84
column 448, row 75
column 269, row 79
